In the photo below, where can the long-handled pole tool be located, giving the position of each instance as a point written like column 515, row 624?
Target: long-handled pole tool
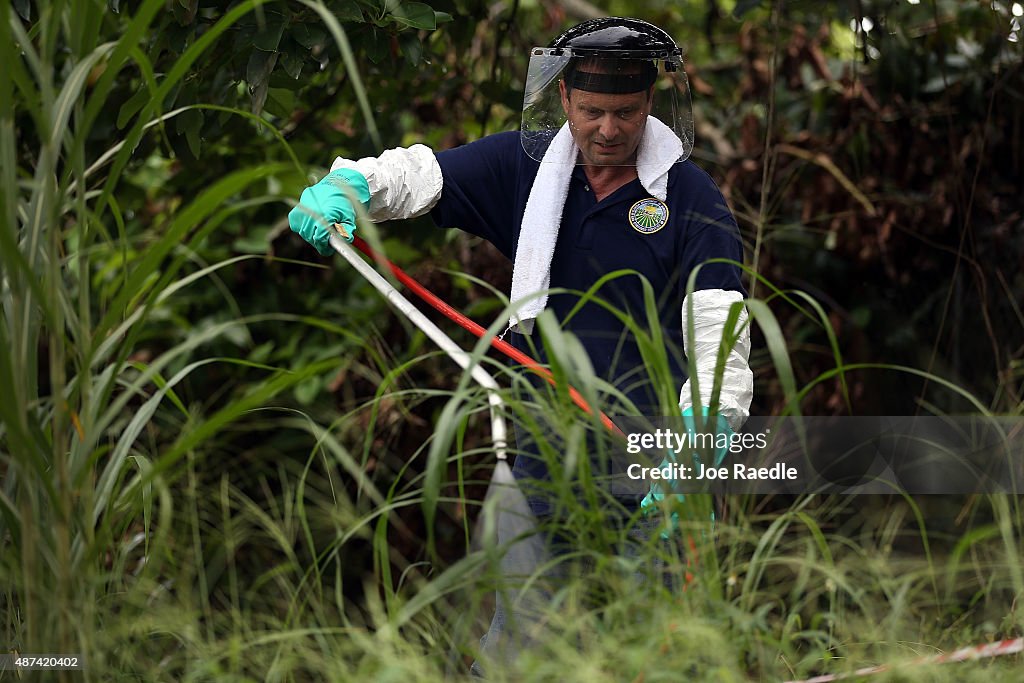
column 507, row 497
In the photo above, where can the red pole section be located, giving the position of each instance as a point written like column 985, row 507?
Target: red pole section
column 467, row 324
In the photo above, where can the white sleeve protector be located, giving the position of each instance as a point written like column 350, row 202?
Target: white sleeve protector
column 710, row 310
column 403, row 182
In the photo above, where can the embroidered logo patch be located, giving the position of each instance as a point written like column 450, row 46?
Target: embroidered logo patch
column 648, row 216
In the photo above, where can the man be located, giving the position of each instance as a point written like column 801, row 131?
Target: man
column 596, row 181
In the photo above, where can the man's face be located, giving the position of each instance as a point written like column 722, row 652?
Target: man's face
column 606, row 128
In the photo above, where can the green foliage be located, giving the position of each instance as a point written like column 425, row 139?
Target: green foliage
column 219, row 459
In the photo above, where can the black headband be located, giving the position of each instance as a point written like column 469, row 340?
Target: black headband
column 612, row 83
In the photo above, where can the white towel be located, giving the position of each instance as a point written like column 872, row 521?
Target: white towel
column 659, row 149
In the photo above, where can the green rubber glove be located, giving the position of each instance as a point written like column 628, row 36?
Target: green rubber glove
column 327, row 203
column 657, row 494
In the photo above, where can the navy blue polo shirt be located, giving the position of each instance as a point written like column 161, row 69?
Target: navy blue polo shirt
column 486, row 186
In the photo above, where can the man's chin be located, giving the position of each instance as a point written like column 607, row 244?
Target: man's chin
column 607, row 158
column 611, row 155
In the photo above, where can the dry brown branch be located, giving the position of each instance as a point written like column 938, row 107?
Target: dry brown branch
column 827, row 164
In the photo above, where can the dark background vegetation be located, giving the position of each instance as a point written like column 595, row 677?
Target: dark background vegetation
column 878, row 170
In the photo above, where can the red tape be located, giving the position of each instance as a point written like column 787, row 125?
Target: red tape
column 467, row 324
column 983, row 651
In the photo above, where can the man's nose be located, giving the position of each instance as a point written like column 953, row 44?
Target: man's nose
column 609, row 127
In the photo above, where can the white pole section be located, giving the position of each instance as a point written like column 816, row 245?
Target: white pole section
column 499, row 435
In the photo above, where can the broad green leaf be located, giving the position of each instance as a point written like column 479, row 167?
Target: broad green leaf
column 261, row 64
column 292, row 58
column 280, row 102
column 412, row 48
column 308, row 35
column 269, row 37
column 415, row 15
column 380, row 48
column 259, row 68
column 187, row 120
column 193, row 137
column 346, row 10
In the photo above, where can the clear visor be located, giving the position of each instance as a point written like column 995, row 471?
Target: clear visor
column 608, row 103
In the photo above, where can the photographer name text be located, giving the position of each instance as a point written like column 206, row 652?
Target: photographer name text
column 738, row 472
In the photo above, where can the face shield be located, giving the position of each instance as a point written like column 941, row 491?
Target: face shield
column 607, row 99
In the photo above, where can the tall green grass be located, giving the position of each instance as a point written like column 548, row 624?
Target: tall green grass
column 133, row 532
column 86, row 513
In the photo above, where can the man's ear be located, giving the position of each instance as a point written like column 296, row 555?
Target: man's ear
column 565, row 96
